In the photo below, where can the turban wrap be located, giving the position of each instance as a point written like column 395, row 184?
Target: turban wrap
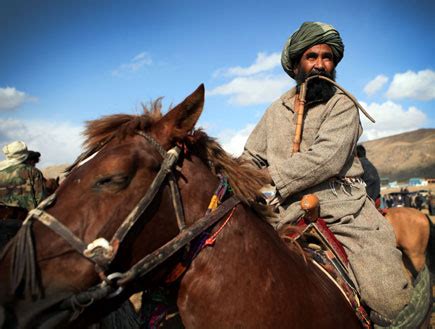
column 16, row 153
column 307, row 36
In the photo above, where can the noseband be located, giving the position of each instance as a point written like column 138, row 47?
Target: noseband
column 100, row 251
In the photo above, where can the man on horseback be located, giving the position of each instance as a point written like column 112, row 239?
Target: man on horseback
column 21, row 184
column 21, row 188
column 327, row 166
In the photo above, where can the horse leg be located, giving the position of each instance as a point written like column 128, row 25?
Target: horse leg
column 412, row 230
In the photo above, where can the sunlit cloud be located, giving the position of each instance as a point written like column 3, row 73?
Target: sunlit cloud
column 254, row 84
column 375, row 85
column 58, row 142
column 233, row 141
column 413, row 85
column 263, row 63
column 135, row 64
column 391, row 119
column 244, row 91
column 11, row 98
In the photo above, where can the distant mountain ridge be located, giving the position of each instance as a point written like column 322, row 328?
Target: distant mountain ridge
column 403, row 156
column 397, row 157
column 54, row 171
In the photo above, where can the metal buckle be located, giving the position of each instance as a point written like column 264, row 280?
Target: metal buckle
column 111, row 280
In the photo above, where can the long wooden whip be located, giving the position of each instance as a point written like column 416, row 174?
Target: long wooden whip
column 300, row 120
column 301, row 108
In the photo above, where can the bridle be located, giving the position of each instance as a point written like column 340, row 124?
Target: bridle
column 102, row 252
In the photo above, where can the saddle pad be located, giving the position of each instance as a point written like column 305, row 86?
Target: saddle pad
column 327, row 253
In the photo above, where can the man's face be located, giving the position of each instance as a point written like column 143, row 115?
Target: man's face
column 317, row 59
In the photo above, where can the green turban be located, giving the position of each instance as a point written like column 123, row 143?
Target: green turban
column 307, row 36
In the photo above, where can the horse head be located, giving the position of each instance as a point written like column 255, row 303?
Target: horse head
column 124, row 153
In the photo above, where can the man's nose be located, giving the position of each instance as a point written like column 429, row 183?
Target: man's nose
column 319, row 64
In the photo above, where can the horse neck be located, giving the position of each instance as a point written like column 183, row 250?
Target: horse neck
column 197, row 185
column 159, row 223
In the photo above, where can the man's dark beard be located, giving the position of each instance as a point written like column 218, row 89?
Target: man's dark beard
column 318, row 90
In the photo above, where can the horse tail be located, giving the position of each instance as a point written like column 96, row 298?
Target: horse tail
column 430, row 257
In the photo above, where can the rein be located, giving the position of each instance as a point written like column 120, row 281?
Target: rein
column 100, row 251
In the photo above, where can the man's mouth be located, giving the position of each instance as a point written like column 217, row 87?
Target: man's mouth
column 317, row 72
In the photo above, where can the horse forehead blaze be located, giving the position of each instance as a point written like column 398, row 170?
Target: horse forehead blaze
column 118, row 159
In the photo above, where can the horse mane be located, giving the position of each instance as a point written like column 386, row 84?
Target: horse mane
column 120, row 126
column 244, row 179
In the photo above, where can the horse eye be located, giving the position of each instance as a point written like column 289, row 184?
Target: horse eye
column 114, row 182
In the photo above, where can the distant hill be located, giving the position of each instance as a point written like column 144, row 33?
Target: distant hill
column 398, row 157
column 54, row 171
column 403, row 156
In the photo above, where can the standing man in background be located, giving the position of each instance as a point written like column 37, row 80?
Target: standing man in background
column 370, row 176
column 21, row 183
column 21, row 188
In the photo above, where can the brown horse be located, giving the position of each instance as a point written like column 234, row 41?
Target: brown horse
column 414, row 235
column 246, row 278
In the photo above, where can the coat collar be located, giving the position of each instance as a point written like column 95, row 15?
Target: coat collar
column 288, row 99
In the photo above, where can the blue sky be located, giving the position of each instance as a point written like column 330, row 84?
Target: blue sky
column 65, row 62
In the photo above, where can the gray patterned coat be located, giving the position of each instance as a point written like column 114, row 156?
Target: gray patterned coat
column 327, row 166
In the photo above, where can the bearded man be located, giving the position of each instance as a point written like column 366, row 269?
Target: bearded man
column 327, row 167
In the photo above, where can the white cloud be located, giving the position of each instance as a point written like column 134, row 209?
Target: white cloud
column 391, row 119
column 58, row 142
column 263, row 62
column 375, row 85
column 413, row 85
column 234, row 141
column 134, row 64
column 11, row 98
column 253, row 90
column 255, row 84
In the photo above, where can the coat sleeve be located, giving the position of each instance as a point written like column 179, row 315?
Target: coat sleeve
column 38, row 186
column 333, row 145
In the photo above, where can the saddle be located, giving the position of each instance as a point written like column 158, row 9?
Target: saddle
column 322, row 248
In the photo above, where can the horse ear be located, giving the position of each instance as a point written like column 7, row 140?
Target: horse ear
column 182, row 118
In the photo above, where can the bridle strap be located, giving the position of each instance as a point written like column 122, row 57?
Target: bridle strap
column 151, row 261
column 100, row 251
column 56, row 226
column 176, row 202
column 165, row 169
